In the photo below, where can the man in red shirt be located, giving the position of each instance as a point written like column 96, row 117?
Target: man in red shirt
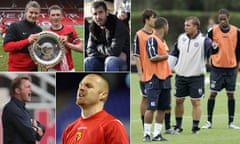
column 3, row 28
column 95, row 126
column 67, row 35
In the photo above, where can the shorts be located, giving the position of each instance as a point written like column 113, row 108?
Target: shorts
column 158, row 94
column 143, row 89
column 189, row 86
column 220, row 80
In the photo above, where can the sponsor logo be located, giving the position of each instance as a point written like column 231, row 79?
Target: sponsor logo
column 78, row 136
column 24, row 33
column 196, row 44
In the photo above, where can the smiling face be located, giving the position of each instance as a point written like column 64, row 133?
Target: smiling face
column 24, row 91
column 55, row 17
column 93, row 90
column 32, row 14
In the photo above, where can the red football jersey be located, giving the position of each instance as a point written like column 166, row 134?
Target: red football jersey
column 101, row 128
column 72, row 38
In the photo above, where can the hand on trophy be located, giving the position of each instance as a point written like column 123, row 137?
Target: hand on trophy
column 63, row 39
column 46, row 49
column 67, row 44
column 32, row 38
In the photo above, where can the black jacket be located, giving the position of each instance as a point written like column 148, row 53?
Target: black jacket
column 21, row 30
column 116, row 41
column 17, row 125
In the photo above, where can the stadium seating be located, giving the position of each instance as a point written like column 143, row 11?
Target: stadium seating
column 14, row 11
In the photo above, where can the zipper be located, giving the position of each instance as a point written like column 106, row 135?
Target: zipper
column 188, row 45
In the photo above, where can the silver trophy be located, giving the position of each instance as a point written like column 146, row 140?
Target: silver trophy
column 47, row 50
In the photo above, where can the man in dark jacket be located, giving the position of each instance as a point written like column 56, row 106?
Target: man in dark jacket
column 18, row 38
column 109, row 42
column 18, row 125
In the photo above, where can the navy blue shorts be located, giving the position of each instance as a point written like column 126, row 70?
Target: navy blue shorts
column 189, row 86
column 220, row 80
column 158, row 94
column 143, row 89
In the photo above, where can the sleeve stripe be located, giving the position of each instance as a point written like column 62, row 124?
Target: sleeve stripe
column 135, row 45
column 152, row 47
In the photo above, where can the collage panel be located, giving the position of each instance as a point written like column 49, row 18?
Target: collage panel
column 201, row 78
column 92, row 69
column 27, row 108
column 41, row 35
column 107, row 35
column 93, row 108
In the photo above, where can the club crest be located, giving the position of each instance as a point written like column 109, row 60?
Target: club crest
column 78, row 136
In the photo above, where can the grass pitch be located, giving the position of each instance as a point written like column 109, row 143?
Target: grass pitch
column 219, row 134
column 77, row 56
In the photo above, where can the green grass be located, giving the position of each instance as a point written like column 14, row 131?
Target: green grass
column 77, row 57
column 219, row 134
column 3, row 57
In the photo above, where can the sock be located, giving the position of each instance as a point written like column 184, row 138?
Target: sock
column 157, row 129
column 195, row 124
column 167, row 120
column 142, row 118
column 147, row 129
column 231, row 110
column 179, row 122
column 210, row 107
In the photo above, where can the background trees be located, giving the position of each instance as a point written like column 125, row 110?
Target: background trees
column 177, row 10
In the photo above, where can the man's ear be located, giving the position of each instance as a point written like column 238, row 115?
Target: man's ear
column 103, row 95
column 107, row 12
column 17, row 90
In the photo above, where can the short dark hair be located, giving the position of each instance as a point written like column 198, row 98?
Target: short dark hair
column 148, row 13
column 160, row 22
column 195, row 20
column 55, row 7
column 98, row 4
column 223, row 11
column 17, row 82
column 34, row 4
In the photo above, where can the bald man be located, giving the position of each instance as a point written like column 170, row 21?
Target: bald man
column 95, row 125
